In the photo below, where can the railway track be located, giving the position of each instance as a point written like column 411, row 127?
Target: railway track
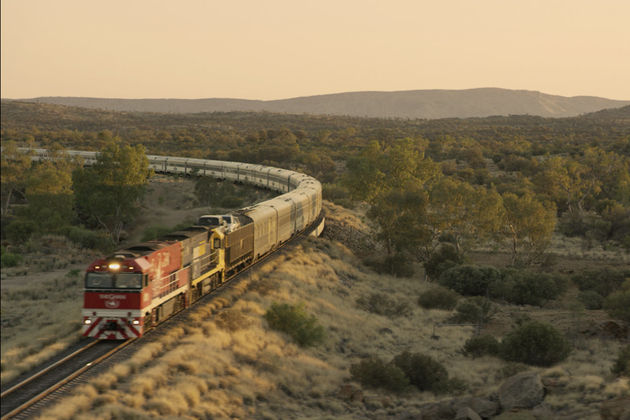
column 17, row 400
column 28, row 397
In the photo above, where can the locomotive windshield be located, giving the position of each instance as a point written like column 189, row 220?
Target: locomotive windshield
column 113, row 281
column 209, row 221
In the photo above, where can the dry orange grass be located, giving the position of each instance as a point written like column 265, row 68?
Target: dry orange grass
column 226, row 363
column 39, row 319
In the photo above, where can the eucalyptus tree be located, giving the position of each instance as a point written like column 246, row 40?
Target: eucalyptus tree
column 109, row 193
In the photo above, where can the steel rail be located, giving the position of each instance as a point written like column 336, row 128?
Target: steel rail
column 47, row 369
column 232, row 280
column 64, row 381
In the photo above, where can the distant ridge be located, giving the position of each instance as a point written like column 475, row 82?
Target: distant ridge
column 425, row 104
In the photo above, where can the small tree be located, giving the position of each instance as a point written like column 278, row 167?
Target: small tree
column 13, row 164
column 109, row 193
column 528, row 223
column 49, row 191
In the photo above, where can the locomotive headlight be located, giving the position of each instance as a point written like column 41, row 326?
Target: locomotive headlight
column 87, row 321
column 135, row 322
column 114, row 266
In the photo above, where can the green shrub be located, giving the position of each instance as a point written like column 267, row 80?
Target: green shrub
column 422, row 371
column 470, row 280
column 604, row 281
column 481, row 346
column 19, row 231
column 476, row 310
column 88, row 238
column 523, row 287
column 443, row 258
column 591, row 299
column 374, row 373
column 438, row 298
column 296, row 322
column 622, row 364
column 378, row 303
column 9, row 259
column 535, row 343
column 618, row 304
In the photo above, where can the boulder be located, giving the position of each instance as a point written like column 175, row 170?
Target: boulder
column 442, row 410
column 524, row 390
column 466, row 413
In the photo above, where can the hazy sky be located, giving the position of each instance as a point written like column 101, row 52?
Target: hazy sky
column 274, row 49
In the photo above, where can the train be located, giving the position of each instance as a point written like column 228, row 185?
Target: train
column 139, row 286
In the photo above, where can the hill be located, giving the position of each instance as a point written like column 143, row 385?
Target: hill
column 422, row 104
column 225, row 362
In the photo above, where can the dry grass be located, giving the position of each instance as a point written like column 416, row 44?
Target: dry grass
column 39, row 319
column 226, row 363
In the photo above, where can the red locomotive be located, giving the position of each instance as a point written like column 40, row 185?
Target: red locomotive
column 139, row 286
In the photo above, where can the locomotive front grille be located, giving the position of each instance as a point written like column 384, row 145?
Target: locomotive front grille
column 111, row 326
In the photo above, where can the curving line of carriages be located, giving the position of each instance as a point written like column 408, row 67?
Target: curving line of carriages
column 137, row 287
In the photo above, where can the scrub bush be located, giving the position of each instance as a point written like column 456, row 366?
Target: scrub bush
column 604, row 281
column 419, row 370
column 374, row 373
column 438, row 298
column 19, row 231
column 475, row 310
column 523, row 287
column 9, row 259
column 470, row 280
column 296, row 322
column 618, row 304
column 424, row 372
column 86, row 238
column 591, row 299
column 481, row 346
column 535, row 343
column 380, row 304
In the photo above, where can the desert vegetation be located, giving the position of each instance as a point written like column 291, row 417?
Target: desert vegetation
column 227, row 360
column 451, row 246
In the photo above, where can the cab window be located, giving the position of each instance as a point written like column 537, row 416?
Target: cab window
column 99, row 281
column 128, row 281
